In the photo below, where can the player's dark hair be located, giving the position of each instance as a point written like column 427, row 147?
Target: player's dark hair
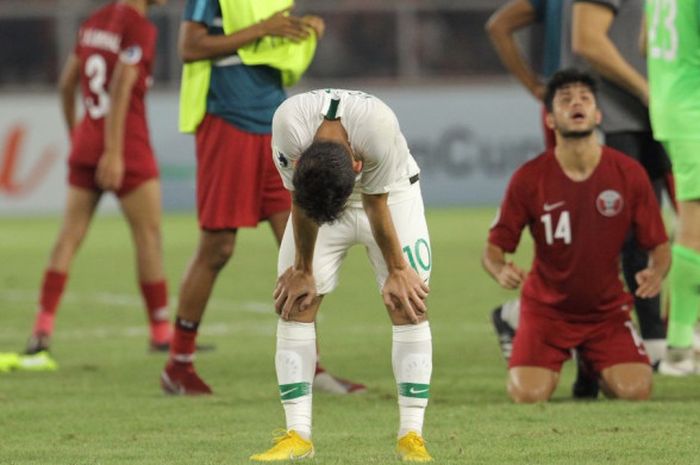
column 323, row 180
column 565, row 77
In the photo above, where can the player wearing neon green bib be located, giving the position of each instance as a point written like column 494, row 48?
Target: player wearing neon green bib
column 673, row 51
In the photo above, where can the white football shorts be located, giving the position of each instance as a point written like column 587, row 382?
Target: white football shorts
column 334, row 240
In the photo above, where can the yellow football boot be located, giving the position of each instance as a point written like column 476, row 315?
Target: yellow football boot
column 411, row 448
column 8, row 361
column 288, row 446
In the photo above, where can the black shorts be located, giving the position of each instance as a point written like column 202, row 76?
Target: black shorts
column 642, row 147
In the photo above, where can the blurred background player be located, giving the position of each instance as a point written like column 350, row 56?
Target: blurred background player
column 354, row 182
column 517, row 15
column 579, row 201
column 673, row 53
column 598, row 32
column 237, row 183
column 110, row 151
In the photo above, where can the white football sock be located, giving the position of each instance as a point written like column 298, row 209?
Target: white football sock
column 295, row 363
column 411, row 357
column 656, row 349
column 510, row 313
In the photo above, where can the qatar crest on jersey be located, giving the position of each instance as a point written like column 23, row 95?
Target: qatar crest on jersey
column 609, row 203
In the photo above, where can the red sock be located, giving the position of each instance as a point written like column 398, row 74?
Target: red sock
column 50, row 295
column 183, row 344
column 155, row 295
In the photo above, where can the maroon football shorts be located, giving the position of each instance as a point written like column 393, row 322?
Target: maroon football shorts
column 237, row 182
column 83, row 176
column 543, row 341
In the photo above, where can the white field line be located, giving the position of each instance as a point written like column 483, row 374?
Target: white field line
column 130, row 300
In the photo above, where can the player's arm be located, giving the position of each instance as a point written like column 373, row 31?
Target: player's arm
column 651, row 278
column 590, row 24
column 110, row 168
column 298, row 281
column 403, row 289
column 195, row 42
column 501, row 28
column 504, row 272
column 67, row 87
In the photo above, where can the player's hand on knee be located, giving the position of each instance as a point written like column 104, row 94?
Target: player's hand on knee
column 649, row 281
column 510, row 276
column 405, row 291
column 110, row 171
column 294, row 288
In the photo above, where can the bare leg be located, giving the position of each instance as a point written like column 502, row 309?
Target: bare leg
column 628, row 381
column 278, row 223
column 142, row 209
column 214, row 251
column 79, row 210
column 531, row 384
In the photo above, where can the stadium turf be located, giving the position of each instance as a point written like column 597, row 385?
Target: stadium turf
column 104, row 405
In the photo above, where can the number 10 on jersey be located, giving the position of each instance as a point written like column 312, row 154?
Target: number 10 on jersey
column 562, row 231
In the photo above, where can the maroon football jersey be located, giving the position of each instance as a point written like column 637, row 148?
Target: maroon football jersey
column 114, row 32
column 579, row 229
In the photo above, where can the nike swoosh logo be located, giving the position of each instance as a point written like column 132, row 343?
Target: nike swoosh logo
column 548, row 207
column 287, row 392
column 417, row 391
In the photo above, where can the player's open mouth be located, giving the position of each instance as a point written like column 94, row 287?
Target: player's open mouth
column 578, row 116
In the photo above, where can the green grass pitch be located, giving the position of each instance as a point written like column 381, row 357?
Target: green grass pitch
column 104, row 405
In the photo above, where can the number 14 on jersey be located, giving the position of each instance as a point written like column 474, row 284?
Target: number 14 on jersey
column 562, row 230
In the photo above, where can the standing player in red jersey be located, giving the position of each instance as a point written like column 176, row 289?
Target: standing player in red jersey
column 579, row 201
column 111, row 151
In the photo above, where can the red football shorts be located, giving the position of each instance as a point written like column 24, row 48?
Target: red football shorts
column 542, row 341
column 83, row 176
column 237, row 182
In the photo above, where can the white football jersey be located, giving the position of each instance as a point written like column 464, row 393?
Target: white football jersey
column 373, row 132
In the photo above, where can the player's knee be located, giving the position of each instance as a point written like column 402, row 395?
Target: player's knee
column 529, row 395
column 216, row 253
column 527, row 387
column 629, row 384
column 70, row 238
column 632, row 390
column 149, row 234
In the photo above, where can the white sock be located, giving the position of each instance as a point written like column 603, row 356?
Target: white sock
column 656, row 349
column 295, row 363
column 510, row 313
column 411, row 357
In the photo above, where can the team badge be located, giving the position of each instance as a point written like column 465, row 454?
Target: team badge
column 609, row 203
column 131, row 55
column 283, row 160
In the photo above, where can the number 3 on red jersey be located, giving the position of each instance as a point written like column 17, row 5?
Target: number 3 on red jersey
column 96, row 70
column 562, row 231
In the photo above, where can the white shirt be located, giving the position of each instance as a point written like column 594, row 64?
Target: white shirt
column 373, row 132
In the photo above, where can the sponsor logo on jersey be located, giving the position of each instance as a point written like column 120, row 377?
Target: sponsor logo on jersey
column 609, row 203
column 131, row 55
column 548, row 207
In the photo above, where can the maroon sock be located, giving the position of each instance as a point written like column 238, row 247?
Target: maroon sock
column 155, row 295
column 183, row 344
column 50, row 295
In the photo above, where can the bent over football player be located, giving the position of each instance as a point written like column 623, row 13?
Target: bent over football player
column 353, row 182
